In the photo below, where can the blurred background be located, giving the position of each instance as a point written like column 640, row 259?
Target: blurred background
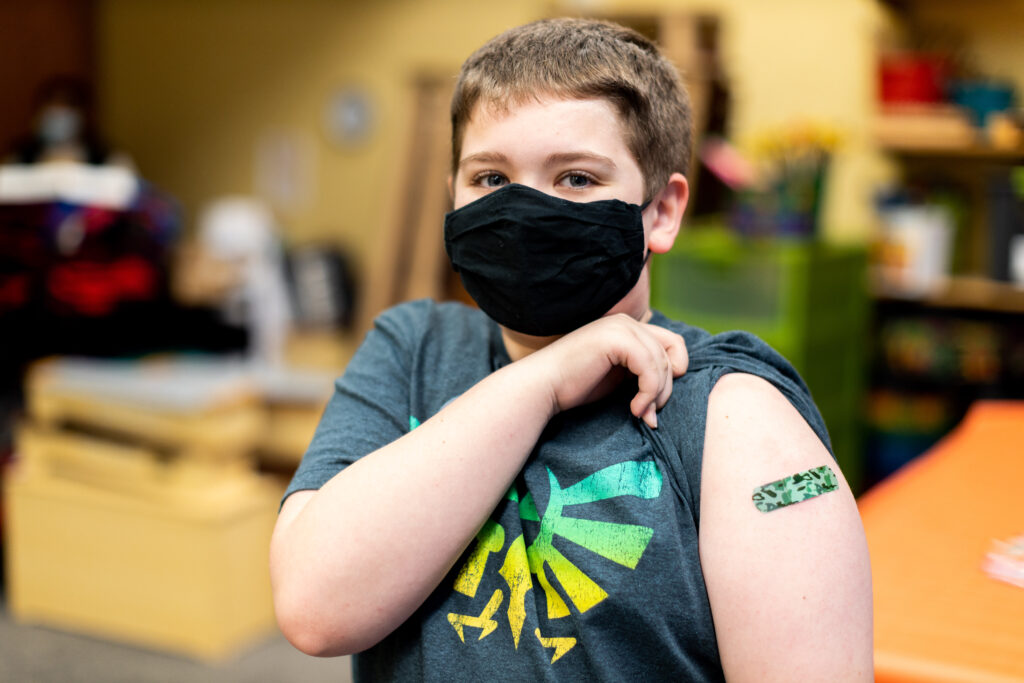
column 204, row 203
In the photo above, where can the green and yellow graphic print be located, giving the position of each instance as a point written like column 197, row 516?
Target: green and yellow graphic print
column 620, row 543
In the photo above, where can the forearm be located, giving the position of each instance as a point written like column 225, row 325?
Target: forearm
column 367, row 549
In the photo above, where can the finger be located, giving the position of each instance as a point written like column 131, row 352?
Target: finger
column 643, row 354
column 675, row 347
column 651, row 417
column 678, row 355
column 651, row 366
column 666, row 393
column 657, row 346
column 649, row 380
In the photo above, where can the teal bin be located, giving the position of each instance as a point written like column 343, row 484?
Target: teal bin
column 807, row 300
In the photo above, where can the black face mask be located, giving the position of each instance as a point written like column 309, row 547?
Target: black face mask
column 541, row 265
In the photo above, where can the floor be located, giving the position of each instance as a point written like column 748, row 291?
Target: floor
column 33, row 654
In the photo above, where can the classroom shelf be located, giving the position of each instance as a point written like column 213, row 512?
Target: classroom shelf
column 964, row 292
column 978, row 152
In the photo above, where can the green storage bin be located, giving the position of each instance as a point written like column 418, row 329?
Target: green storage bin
column 808, row 300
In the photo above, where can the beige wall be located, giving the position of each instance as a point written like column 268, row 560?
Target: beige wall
column 191, row 87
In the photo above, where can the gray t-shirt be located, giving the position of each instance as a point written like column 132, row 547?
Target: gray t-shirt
column 588, row 569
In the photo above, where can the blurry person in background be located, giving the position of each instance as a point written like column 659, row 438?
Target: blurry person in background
column 65, row 128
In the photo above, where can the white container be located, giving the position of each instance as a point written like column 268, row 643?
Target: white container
column 1017, row 260
column 923, row 238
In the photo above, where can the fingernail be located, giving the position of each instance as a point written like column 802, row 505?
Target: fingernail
column 652, row 417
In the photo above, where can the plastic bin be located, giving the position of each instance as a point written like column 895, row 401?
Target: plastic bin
column 807, row 300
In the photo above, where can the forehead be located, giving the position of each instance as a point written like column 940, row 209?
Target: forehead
column 547, row 124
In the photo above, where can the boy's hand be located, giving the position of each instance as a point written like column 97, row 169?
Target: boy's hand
column 589, row 362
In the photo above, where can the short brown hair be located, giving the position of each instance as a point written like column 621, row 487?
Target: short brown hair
column 583, row 59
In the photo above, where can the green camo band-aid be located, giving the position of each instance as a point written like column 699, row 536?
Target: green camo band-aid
column 795, row 489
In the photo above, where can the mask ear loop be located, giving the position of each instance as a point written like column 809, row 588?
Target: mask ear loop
column 643, row 207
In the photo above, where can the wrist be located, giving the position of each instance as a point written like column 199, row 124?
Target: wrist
column 533, row 381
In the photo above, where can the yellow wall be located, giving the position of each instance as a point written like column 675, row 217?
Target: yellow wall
column 189, row 87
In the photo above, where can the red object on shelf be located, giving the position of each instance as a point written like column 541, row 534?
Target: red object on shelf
column 910, row 77
column 95, row 289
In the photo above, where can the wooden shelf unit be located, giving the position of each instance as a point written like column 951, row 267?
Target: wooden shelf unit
column 976, row 152
column 964, row 292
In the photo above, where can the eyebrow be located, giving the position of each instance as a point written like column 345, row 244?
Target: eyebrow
column 484, row 158
column 570, row 157
column 552, row 160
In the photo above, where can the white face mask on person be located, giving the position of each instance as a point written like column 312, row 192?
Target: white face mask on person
column 59, row 124
column 542, row 265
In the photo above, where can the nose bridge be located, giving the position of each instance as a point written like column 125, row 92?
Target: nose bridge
column 531, row 177
column 526, row 164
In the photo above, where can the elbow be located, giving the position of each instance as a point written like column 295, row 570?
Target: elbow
column 319, row 617
column 317, row 628
column 313, row 622
column 306, row 640
column 311, row 642
column 312, row 635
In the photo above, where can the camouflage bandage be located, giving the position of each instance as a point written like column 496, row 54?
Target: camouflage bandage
column 795, row 489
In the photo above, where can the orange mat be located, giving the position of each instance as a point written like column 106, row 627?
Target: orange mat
column 938, row 615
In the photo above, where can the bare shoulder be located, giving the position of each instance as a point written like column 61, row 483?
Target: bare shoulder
column 748, row 412
column 790, row 589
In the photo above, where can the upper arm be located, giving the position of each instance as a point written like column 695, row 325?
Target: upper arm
column 790, row 590
column 291, row 508
column 368, row 409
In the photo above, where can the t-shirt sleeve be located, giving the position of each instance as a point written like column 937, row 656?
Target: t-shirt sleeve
column 743, row 352
column 712, row 357
column 370, row 405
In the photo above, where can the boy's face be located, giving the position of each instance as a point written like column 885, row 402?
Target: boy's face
column 573, row 149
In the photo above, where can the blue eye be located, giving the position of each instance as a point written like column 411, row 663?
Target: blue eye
column 493, row 180
column 577, row 181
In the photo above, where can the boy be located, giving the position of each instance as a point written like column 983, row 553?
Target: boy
column 537, row 490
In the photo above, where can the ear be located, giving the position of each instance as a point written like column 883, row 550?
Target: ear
column 451, row 188
column 668, row 207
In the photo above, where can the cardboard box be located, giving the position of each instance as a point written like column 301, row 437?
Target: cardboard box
column 120, row 542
